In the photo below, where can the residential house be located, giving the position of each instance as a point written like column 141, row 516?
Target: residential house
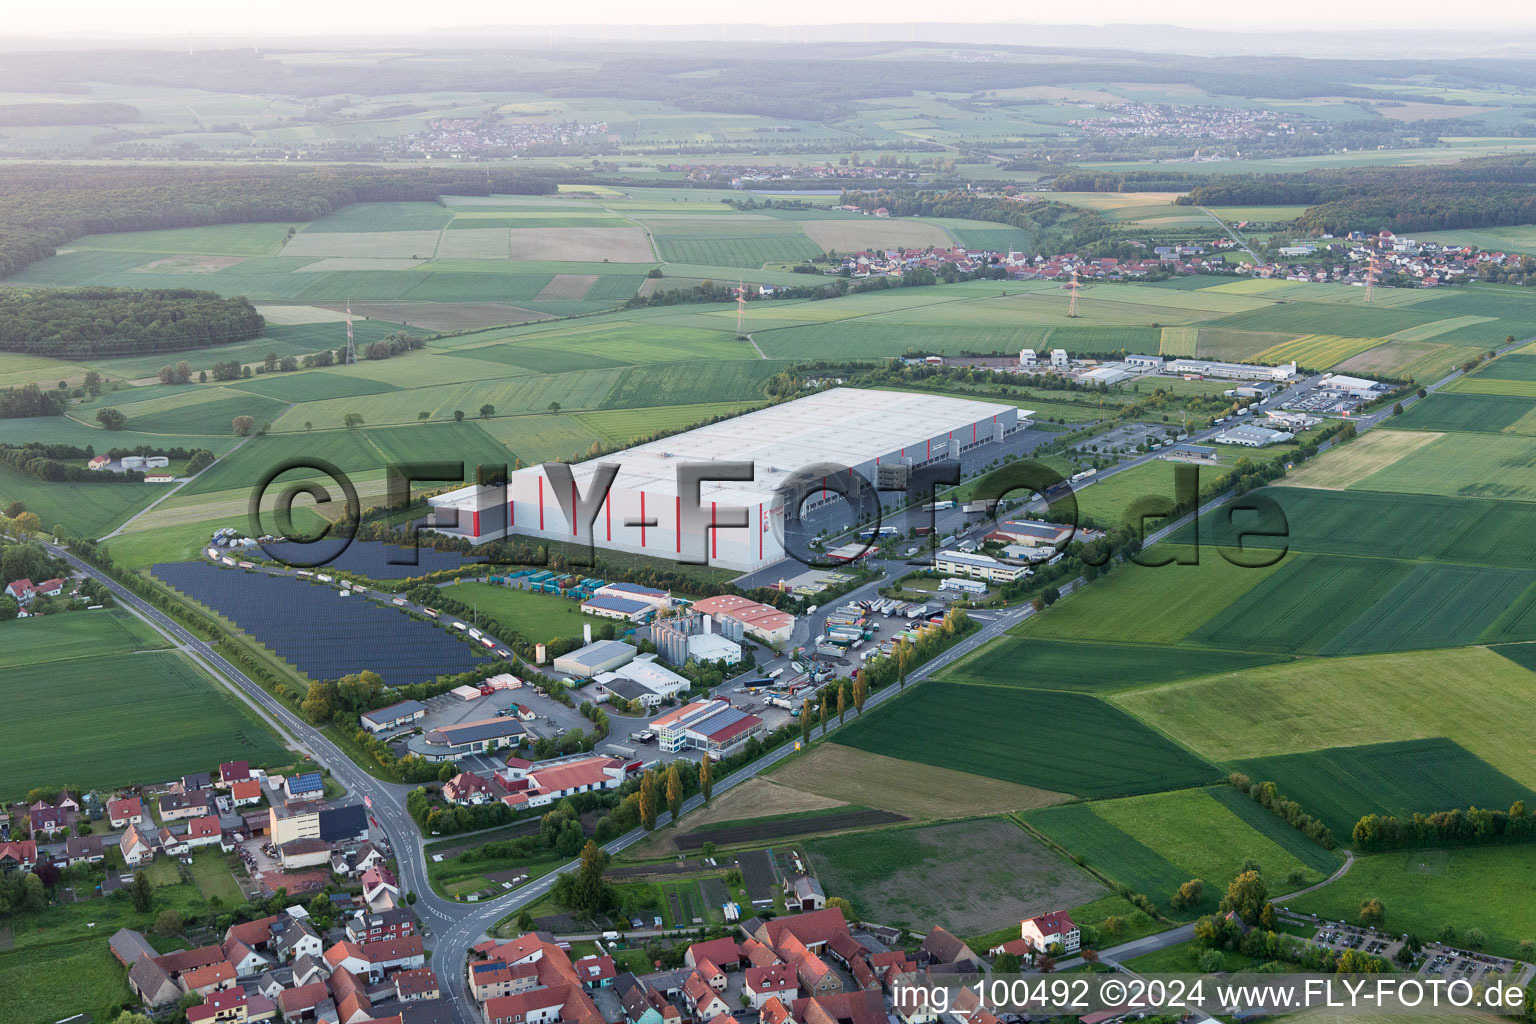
column 380, row 890
column 596, row 971
column 775, row 1012
column 536, row 1006
column 22, row 590
column 194, row 803
column 643, row 1004
column 209, row 978
column 294, row 940
column 18, row 854
column 194, row 781
column 50, row 819
column 306, row 786
column 83, row 850
column 761, row 984
column 172, row 844
column 857, row 1007
column 375, row 958
column 472, row 789
column 365, row 926
column 703, row 1001
column 1052, row 933
column 244, row 959
column 204, row 831
column 712, row 975
column 299, row 1003
column 722, row 953
column 125, row 811
column 245, row 792
column 137, row 845
column 489, row 979
column 231, row 772
column 418, row 984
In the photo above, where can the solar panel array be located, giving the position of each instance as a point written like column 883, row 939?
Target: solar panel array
column 371, row 558
column 323, row 635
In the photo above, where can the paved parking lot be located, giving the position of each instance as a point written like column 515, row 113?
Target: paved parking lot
column 1128, row 438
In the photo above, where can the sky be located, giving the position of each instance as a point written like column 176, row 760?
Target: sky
column 281, row 17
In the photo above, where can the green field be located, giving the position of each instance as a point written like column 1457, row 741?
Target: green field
column 1440, row 606
column 1316, row 704
column 1492, row 889
column 977, row 729
column 1139, row 604
column 1297, row 609
column 1464, row 465
column 1343, row 784
column 1460, row 411
column 1063, row 665
column 1383, row 525
column 85, row 509
column 116, row 710
column 1194, row 834
column 539, row 617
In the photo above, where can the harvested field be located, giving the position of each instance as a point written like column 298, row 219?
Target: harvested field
column 768, row 831
column 189, row 265
column 851, row 235
column 580, row 245
column 288, row 315
column 969, row 876
column 476, row 244
column 1341, row 467
column 567, row 286
column 760, row 797
column 372, row 244
column 849, row 775
column 1179, row 341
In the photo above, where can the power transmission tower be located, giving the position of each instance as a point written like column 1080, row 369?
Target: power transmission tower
column 1072, row 308
column 741, row 307
column 1370, row 281
column 351, row 344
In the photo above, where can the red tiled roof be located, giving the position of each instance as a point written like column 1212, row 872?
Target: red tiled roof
column 213, row 974
column 294, row 1000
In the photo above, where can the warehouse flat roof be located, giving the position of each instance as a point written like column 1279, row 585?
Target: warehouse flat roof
column 848, row 426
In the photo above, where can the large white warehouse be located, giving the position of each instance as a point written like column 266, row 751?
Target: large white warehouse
column 643, row 512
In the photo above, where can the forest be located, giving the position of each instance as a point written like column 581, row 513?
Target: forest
column 1483, row 192
column 91, row 323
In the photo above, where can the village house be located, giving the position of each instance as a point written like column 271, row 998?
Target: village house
column 125, row 811
column 1052, row 933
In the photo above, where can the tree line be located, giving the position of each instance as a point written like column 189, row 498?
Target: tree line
column 1473, row 826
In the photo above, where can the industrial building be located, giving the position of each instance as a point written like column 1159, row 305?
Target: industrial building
column 1197, row 453
column 650, row 674
column 762, row 621
column 393, row 717
column 617, row 608
column 713, row 726
column 643, row 512
column 1357, row 387
column 595, row 658
column 1250, row 436
column 451, row 742
column 696, row 637
column 657, row 599
column 963, row 563
column 1032, row 533
column 1231, row 371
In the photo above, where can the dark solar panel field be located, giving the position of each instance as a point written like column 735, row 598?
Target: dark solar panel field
column 370, row 558
column 320, row 633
